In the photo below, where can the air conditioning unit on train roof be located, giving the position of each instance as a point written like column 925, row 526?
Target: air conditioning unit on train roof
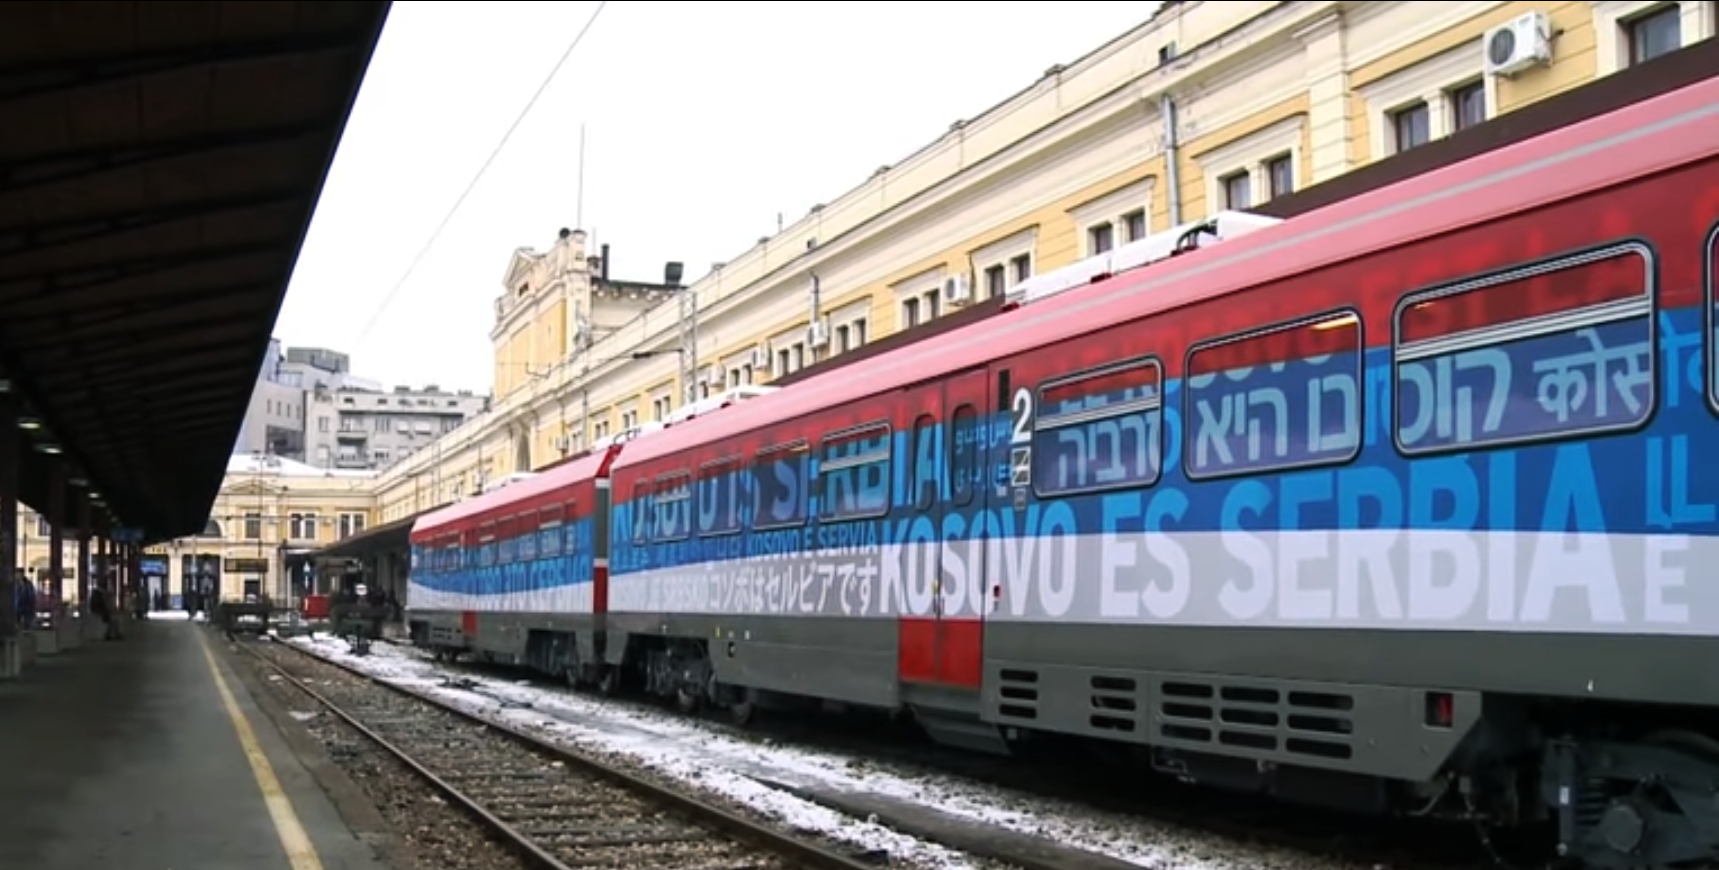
column 721, row 400
column 1221, row 227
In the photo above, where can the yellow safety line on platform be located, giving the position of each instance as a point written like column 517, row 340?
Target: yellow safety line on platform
column 301, row 855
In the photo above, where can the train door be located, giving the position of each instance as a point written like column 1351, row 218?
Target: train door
column 959, row 594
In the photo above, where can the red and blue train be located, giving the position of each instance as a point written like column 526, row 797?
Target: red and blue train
column 1397, row 504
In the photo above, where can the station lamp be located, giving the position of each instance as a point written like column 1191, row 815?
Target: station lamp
column 50, row 449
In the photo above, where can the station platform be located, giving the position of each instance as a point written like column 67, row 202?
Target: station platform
column 151, row 753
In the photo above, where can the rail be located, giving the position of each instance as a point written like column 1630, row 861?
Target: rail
column 538, row 846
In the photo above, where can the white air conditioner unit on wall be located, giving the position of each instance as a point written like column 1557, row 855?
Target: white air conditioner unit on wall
column 818, row 334
column 760, row 357
column 1520, row 44
column 563, row 443
column 956, row 290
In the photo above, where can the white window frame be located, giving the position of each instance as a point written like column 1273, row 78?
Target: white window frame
column 663, row 397
column 350, row 523
column 1250, row 154
column 1430, row 81
column 785, row 342
column 1611, row 43
column 1003, row 252
column 845, row 317
column 1111, row 208
column 301, row 526
column 919, row 286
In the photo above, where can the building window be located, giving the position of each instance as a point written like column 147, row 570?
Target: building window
column 1100, row 238
column 302, row 527
column 1467, row 106
column 629, row 420
column 44, row 529
column 322, row 424
column 1411, row 126
column 1656, row 33
column 909, row 314
column 1134, row 225
column 858, row 332
column 253, row 527
column 351, row 524
column 1238, row 191
column 996, row 281
column 1279, row 176
column 1022, row 266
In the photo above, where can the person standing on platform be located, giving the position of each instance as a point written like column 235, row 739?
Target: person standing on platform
column 102, row 609
column 26, row 601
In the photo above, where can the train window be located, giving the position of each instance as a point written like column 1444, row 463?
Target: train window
column 486, row 545
column 641, row 511
column 853, row 473
column 1101, row 429
column 1553, row 349
column 780, row 476
column 1710, row 322
column 527, row 545
column 570, row 528
column 507, row 543
column 964, row 454
column 673, row 494
column 926, row 462
column 721, row 493
column 1287, row 396
column 549, row 532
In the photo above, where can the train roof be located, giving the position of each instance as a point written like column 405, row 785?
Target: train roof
column 1667, row 131
column 585, row 467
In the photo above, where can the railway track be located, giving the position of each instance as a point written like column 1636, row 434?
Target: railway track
column 1074, row 776
column 557, row 809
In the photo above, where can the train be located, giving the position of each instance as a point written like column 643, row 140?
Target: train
column 1396, row 506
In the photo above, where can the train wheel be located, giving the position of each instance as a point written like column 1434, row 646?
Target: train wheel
column 608, row 680
column 743, row 713
column 686, row 700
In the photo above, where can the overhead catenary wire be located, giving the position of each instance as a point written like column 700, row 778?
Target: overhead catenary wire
column 418, row 259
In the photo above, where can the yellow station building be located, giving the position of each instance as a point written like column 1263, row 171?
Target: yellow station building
column 1208, row 106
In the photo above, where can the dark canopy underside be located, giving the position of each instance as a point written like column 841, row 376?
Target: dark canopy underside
column 159, row 163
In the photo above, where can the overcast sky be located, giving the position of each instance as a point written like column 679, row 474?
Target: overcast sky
column 703, row 121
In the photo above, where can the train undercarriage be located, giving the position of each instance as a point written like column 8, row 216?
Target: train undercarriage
column 1605, row 786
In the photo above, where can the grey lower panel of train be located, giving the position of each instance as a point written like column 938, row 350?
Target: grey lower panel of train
column 1351, row 700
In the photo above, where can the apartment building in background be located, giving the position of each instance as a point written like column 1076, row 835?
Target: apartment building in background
column 309, row 408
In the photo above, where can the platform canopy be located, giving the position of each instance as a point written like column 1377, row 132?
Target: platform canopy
column 159, row 164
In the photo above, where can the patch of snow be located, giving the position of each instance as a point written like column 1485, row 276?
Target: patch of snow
column 696, row 752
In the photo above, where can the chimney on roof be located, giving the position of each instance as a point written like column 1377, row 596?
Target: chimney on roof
column 565, row 232
column 604, row 250
column 673, row 272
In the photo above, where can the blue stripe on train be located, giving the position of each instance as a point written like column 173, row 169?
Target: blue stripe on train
column 1531, row 455
column 571, row 565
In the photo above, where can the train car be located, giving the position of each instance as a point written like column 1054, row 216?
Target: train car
column 1393, row 505
column 515, row 576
